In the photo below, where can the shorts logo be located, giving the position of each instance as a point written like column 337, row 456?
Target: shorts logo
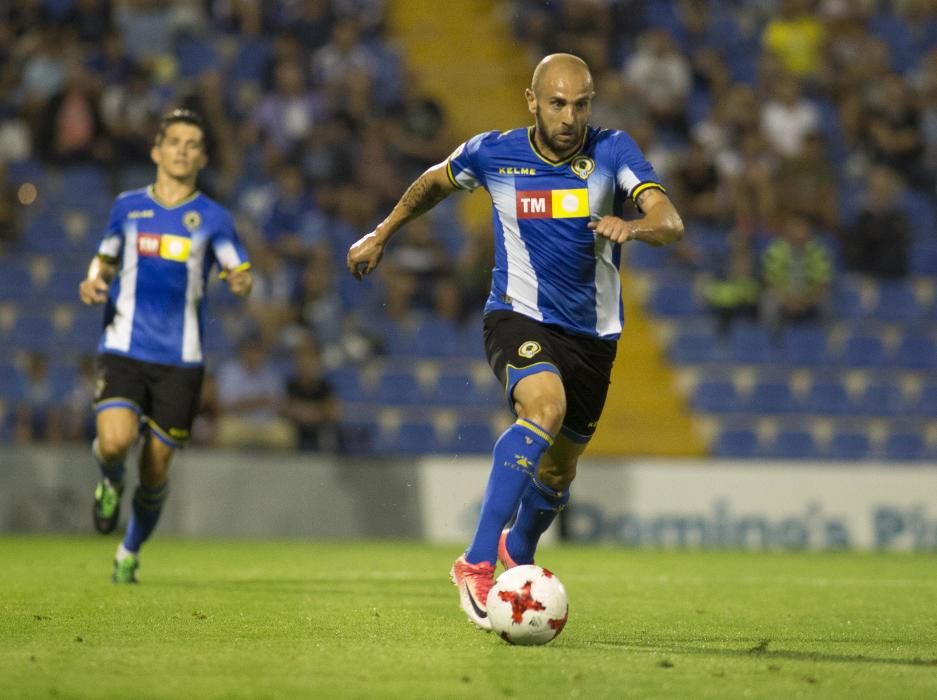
column 529, row 349
column 164, row 245
column 552, row 204
column 582, row 167
column 192, row 220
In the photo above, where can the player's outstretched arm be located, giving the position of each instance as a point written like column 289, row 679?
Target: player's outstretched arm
column 93, row 288
column 660, row 225
column 428, row 190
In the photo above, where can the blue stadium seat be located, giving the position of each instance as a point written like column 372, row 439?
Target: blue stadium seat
column 916, row 351
column 33, row 332
column 736, row 443
column 474, row 437
column 672, row 299
column 455, row 390
column 12, row 385
column 413, row 438
column 715, row 396
column 849, row 446
column 695, row 348
column 345, row 383
column 804, row 345
column 881, row 399
column 927, row 401
column 16, row 283
column 793, row 444
column 864, row 351
column 827, row 398
column 771, row 397
column 398, row 388
column 750, row 343
column 904, row 446
column 897, row 302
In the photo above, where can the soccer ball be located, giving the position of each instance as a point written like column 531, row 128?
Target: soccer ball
column 527, row 605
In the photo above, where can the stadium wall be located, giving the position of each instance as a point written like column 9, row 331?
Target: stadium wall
column 640, row 503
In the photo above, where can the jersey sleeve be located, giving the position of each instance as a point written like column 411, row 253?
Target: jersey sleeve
column 464, row 166
column 633, row 172
column 112, row 244
column 227, row 247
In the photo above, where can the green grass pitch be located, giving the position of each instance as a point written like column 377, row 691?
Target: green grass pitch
column 380, row 620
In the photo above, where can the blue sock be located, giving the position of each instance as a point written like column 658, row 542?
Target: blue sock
column 147, row 506
column 539, row 506
column 514, row 462
column 112, row 472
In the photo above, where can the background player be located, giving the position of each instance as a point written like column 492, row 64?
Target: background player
column 151, row 269
column 554, row 313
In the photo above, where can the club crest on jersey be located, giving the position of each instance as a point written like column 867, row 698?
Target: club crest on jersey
column 192, row 220
column 552, row 204
column 163, row 245
column 529, row 349
column 582, row 166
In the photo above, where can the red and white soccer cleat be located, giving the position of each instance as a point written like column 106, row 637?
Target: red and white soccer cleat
column 474, row 581
column 503, row 556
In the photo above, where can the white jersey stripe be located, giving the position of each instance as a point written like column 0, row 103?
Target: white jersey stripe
column 118, row 333
column 191, row 339
column 522, row 285
column 607, row 289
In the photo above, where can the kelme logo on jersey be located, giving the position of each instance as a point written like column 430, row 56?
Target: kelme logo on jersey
column 164, row 245
column 552, row 204
column 582, row 166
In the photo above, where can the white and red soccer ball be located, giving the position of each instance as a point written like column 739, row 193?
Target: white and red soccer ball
column 527, row 606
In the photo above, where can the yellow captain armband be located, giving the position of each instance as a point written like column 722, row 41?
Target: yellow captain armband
column 109, row 259
column 223, row 275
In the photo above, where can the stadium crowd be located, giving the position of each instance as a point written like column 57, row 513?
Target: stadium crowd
column 795, row 136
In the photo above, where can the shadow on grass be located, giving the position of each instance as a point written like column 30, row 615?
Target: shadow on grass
column 761, row 650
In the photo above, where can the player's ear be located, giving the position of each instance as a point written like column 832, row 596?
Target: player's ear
column 531, row 100
column 154, row 154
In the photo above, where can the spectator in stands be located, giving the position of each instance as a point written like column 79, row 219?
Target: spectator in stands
column 316, row 306
column 77, row 407
column 797, row 270
column 662, row 77
column 413, row 268
column 879, row 241
column 311, row 404
column 893, row 131
column 788, row 117
column 807, row 185
column 71, row 130
column 698, row 189
column 9, row 211
column 796, row 36
column 269, row 305
column 283, row 225
column 250, row 393
column 131, row 111
column 37, row 415
column 732, row 292
column 287, row 115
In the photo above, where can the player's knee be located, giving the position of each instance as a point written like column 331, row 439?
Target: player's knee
column 546, row 410
column 114, row 443
column 557, row 476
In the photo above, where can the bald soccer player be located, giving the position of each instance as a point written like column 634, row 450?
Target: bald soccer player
column 554, row 315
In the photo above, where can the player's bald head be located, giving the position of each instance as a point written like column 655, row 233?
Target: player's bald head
column 561, row 68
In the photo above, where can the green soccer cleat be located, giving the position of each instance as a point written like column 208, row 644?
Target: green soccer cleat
column 125, row 570
column 106, row 506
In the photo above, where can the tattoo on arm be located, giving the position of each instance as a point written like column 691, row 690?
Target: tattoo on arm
column 421, row 196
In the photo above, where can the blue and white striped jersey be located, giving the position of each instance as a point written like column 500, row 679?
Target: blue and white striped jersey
column 155, row 310
column 548, row 265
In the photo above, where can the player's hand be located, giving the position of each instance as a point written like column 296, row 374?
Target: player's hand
column 93, row 290
column 365, row 255
column 612, row 228
column 240, row 282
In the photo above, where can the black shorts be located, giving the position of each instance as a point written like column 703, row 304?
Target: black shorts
column 518, row 346
column 167, row 397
